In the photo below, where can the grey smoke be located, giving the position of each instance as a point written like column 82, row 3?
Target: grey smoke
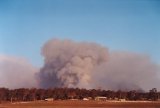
column 127, row 71
column 70, row 64
column 81, row 64
column 90, row 65
column 16, row 72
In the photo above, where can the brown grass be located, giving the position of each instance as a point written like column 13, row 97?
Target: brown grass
column 81, row 104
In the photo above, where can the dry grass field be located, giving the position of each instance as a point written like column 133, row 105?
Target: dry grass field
column 81, row 104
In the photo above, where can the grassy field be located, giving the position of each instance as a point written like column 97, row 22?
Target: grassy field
column 81, row 104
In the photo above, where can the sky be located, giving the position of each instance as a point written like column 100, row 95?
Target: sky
column 123, row 25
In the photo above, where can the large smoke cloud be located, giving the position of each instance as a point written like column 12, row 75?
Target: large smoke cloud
column 81, row 64
column 16, row 72
column 127, row 71
column 89, row 65
column 70, row 64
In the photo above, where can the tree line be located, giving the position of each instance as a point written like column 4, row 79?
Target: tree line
column 33, row 94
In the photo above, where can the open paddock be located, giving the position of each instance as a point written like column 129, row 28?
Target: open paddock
column 81, row 104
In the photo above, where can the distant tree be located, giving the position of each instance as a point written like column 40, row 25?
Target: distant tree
column 40, row 94
column 94, row 93
column 110, row 94
column 21, row 94
column 153, row 95
column 32, row 94
column 4, row 93
column 132, row 95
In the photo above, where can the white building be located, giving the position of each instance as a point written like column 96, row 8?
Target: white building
column 99, row 98
column 122, row 100
column 85, row 99
column 49, row 99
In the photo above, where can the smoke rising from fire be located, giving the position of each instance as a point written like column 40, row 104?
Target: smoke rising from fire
column 16, row 72
column 81, row 64
column 89, row 65
column 127, row 71
column 70, row 64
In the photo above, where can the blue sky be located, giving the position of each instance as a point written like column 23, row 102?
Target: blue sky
column 123, row 25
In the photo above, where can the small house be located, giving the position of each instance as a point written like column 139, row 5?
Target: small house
column 49, row 99
column 122, row 100
column 99, row 98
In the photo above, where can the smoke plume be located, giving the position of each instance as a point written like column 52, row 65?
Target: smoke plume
column 16, row 72
column 70, row 64
column 89, row 65
column 127, row 71
column 81, row 64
